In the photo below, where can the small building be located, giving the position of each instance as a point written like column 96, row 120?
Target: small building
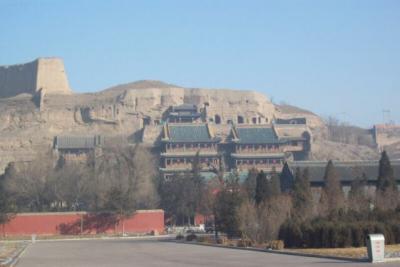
column 296, row 139
column 185, row 113
column 77, row 148
column 256, row 146
column 347, row 172
column 183, row 143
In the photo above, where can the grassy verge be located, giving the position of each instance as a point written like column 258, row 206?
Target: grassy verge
column 8, row 249
column 356, row 253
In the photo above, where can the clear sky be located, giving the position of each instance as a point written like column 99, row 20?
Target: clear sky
column 339, row 58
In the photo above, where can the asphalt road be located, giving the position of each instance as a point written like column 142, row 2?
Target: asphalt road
column 158, row 254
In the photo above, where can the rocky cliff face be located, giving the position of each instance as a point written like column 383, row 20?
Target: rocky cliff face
column 37, row 104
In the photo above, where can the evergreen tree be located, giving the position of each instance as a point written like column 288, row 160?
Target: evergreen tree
column 302, row 196
column 261, row 188
column 250, row 183
column 386, row 178
column 332, row 198
column 5, row 202
column 387, row 195
column 226, row 206
column 273, row 185
column 286, row 179
column 198, row 186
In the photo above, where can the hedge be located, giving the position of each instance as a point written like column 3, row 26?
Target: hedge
column 335, row 234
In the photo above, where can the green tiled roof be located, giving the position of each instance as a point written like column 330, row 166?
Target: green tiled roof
column 189, row 133
column 256, row 135
column 347, row 171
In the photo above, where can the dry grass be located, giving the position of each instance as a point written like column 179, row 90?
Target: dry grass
column 344, row 252
column 8, row 248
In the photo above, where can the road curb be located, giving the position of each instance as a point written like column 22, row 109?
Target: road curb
column 159, row 237
column 290, row 253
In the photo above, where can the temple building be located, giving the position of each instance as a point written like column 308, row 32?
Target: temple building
column 295, row 139
column 185, row 113
column 183, row 143
column 256, row 146
column 77, row 148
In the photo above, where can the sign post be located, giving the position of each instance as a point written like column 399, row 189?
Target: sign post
column 376, row 248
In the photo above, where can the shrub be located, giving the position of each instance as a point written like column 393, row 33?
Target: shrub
column 292, row 233
column 357, row 235
column 205, row 239
column 244, row 243
column 276, row 245
column 396, row 232
column 335, row 233
column 154, row 233
column 222, row 240
column 191, row 237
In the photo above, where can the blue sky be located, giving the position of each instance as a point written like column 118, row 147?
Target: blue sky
column 339, row 58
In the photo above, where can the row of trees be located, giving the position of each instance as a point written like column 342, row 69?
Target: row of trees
column 121, row 179
column 340, row 221
column 264, row 208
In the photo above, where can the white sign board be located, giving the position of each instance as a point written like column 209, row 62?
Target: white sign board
column 376, row 247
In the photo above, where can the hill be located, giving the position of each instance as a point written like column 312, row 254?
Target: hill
column 31, row 118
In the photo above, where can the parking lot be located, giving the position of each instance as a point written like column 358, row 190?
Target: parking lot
column 142, row 253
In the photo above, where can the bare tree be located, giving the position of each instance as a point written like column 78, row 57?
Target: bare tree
column 261, row 223
column 249, row 221
column 358, row 199
column 27, row 183
column 273, row 213
column 124, row 180
column 69, row 187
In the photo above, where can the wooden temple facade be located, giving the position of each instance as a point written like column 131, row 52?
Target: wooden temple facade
column 185, row 113
column 183, row 143
column 187, row 136
column 257, row 147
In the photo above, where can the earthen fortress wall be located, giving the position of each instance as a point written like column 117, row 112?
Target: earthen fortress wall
column 44, row 74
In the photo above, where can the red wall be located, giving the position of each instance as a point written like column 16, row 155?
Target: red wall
column 73, row 223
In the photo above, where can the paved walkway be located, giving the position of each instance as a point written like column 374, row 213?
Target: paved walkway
column 156, row 253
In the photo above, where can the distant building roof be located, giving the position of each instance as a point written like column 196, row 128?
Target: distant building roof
column 184, row 114
column 255, row 135
column 347, row 171
column 77, row 142
column 291, row 121
column 185, row 107
column 192, row 133
column 292, row 131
